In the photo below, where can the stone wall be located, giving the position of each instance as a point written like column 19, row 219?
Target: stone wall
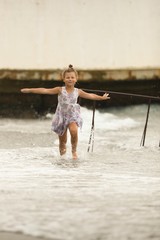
column 15, row 104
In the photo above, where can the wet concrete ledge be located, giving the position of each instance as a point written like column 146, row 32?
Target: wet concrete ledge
column 84, row 75
column 15, row 104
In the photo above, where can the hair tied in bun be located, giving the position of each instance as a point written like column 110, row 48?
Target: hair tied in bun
column 70, row 66
column 68, row 70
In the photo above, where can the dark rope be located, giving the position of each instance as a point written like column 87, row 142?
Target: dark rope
column 125, row 94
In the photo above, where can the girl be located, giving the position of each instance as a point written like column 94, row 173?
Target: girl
column 67, row 115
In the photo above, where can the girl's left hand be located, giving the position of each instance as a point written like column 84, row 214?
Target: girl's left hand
column 105, row 96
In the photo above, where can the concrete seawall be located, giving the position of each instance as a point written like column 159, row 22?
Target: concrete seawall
column 15, row 104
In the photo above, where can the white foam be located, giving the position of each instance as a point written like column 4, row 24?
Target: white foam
column 107, row 121
column 43, row 195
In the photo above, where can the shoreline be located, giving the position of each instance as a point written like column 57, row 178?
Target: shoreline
column 19, row 236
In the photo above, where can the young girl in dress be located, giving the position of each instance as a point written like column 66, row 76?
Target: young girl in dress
column 67, row 115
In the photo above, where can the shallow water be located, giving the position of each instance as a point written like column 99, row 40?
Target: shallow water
column 110, row 194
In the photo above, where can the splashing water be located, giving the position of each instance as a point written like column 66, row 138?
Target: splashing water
column 112, row 193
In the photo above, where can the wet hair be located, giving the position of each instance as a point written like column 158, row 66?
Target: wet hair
column 68, row 70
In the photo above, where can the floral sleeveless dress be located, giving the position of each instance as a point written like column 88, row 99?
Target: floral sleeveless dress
column 67, row 111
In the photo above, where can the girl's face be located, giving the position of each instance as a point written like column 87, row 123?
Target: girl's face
column 70, row 78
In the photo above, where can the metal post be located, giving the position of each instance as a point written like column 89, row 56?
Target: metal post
column 91, row 138
column 145, row 127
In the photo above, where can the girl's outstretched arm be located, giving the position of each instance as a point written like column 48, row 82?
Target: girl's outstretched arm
column 55, row 90
column 93, row 96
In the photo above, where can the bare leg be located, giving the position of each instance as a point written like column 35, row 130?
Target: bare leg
column 74, row 138
column 62, row 143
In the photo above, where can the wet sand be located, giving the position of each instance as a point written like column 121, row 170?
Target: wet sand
column 23, row 136
column 17, row 236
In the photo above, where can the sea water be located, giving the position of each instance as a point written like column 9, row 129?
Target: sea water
column 112, row 193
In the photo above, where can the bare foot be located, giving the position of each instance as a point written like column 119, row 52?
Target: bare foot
column 62, row 151
column 74, row 156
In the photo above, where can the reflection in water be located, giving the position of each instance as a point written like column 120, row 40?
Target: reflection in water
column 112, row 193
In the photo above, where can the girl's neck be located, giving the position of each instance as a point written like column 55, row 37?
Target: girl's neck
column 69, row 89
